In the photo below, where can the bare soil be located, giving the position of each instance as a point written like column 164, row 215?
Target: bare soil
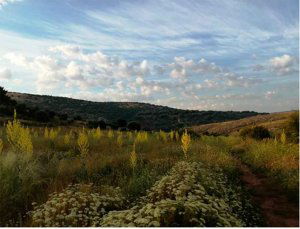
column 277, row 210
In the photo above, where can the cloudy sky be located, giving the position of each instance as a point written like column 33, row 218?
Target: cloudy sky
column 192, row 54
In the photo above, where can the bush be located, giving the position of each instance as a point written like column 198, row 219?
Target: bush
column 134, row 126
column 95, row 124
column 122, row 123
column 42, row 116
column 77, row 205
column 189, row 196
column 257, row 132
column 293, row 127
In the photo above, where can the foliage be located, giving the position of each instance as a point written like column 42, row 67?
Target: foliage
column 188, row 196
column 134, row 126
column 19, row 137
column 257, row 132
column 279, row 161
column 77, row 205
column 292, row 127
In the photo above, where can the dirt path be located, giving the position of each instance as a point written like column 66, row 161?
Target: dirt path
column 276, row 209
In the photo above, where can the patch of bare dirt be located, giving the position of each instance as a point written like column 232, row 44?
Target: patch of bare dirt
column 277, row 210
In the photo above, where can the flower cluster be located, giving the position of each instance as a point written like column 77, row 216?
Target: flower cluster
column 77, row 205
column 185, row 197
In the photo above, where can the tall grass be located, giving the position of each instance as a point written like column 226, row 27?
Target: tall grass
column 278, row 160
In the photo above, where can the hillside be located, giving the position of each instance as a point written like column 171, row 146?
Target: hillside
column 272, row 121
column 148, row 115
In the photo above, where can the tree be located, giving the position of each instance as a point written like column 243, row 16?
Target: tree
column 4, row 98
column 122, row 123
column 134, row 126
column 42, row 116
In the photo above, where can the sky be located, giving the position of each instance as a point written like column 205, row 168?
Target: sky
column 193, row 54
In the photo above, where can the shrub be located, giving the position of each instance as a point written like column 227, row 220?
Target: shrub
column 42, row 116
column 122, row 123
column 189, row 196
column 77, row 205
column 293, row 127
column 19, row 137
column 257, row 132
column 134, row 126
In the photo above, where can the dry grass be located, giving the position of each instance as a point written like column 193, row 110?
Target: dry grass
column 271, row 121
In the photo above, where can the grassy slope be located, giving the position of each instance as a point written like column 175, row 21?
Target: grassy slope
column 150, row 116
column 272, row 121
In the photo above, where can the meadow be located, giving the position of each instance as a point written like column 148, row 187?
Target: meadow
column 75, row 176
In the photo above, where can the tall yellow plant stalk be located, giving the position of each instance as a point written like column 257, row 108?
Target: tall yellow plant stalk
column 83, row 143
column 283, row 137
column 67, row 138
column 18, row 136
column 172, row 135
column 110, row 133
column 133, row 158
column 53, row 134
column 97, row 133
column 186, row 142
column 120, row 140
column 177, row 136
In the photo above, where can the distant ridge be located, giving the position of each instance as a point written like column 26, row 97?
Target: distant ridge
column 148, row 115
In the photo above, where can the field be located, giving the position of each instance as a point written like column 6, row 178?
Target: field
column 74, row 176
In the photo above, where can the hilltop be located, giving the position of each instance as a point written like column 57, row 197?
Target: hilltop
column 148, row 115
column 273, row 122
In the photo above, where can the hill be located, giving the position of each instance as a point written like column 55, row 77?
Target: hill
column 272, row 121
column 148, row 115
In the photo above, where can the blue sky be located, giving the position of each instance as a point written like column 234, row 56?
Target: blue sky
column 206, row 55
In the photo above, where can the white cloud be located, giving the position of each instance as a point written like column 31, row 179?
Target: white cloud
column 269, row 94
column 5, row 2
column 109, row 78
column 283, row 65
column 233, row 80
column 178, row 73
column 5, row 74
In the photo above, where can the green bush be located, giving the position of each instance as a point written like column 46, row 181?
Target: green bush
column 293, row 127
column 189, row 196
column 257, row 132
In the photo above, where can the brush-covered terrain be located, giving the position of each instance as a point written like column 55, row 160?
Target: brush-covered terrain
column 274, row 122
column 76, row 176
column 150, row 117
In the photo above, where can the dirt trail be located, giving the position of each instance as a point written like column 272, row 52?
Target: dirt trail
column 277, row 210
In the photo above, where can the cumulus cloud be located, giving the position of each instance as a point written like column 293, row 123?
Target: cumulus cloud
column 5, row 2
column 181, row 67
column 100, row 77
column 5, row 74
column 283, row 65
column 233, row 80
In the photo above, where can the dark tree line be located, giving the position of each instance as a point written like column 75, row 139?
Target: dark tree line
column 8, row 105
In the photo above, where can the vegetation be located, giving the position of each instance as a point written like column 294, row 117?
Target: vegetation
column 77, row 176
column 256, row 132
column 117, row 114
